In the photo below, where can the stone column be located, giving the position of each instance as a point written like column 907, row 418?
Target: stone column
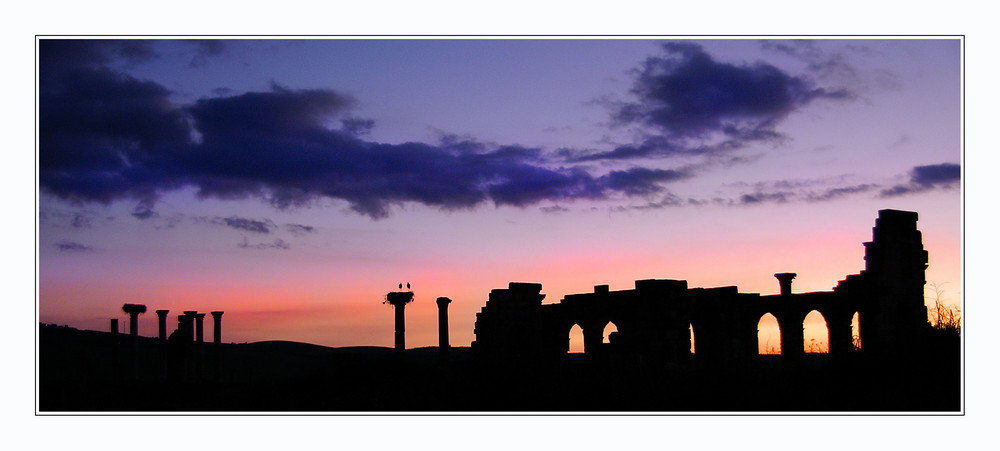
column 839, row 328
column 792, row 346
column 398, row 300
column 133, row 325
column 199, row 339
column 116, row 357
column 400, row 334
column 161, row 315
column 216, row 343
column 133, row 311
column 217, row 327
column 593, row 339
column 185, row 324
column 443, row 344
column 200, row 327
column 188, row 318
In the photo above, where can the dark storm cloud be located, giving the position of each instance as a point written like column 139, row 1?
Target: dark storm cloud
column 687, row 93
column 106, row 136
column 692, row 104
column 72, row 246
column 924, row 178
column 60, row 55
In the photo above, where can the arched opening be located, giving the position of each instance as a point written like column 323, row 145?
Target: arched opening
column 815, row 334
column 856, row 331
column 576, row 339
column 768, row 335
column 608, row 330
column 691, row 333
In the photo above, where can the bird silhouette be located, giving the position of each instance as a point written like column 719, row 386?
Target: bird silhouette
column 407, row 285
column 400, row 286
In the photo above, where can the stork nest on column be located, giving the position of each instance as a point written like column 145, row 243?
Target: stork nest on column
column 398, row 298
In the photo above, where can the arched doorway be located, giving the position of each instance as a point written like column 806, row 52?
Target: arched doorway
column 768, row 335
column 815, row 334
column 576, row 339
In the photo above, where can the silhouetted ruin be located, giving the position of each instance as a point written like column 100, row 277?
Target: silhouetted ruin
column 654, row 318
column 520, row 359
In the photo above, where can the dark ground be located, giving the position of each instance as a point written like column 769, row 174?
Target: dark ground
column 85, row 371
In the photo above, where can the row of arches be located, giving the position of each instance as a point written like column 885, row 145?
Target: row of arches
column 814, row 330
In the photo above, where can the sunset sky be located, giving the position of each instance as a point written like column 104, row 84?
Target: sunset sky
column 292, row 183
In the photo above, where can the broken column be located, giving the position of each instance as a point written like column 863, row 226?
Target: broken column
column 593, row 339
column 443, row 344
column 398, row 300
column 161, row 315
column 792, row 341
column 839, row 329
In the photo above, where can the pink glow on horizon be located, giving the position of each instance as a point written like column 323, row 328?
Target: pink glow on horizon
column 310, row 301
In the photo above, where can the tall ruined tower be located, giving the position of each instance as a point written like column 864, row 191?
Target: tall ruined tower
column 893, row 314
